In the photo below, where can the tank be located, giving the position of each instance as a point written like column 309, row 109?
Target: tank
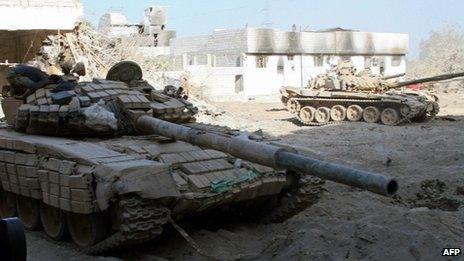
column 110, row 162
column 342, row 95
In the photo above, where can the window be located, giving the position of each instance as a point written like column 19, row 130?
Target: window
column 280, row 65
column 213, row 60
column 318, row 61
column 238, row 83
column 396, row 61
column 190, row 60
column 261, row 61
column 238, row 61
column 155, row 40
column 375, row 61
column 290, row 57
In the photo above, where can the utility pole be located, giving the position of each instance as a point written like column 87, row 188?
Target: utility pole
column 301, row 65
column 267, row 14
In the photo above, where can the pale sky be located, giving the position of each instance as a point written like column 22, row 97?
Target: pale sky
column 200, row 17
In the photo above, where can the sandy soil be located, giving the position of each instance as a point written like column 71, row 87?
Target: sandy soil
column 428, row 214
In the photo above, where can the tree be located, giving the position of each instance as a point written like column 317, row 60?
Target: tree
column 442, row 52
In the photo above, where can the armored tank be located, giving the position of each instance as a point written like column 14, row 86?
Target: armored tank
column 110, row 162
column 342, row 95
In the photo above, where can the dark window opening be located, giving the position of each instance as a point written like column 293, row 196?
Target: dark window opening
column 238, row 83
column 318, row 61
column 280, row 66
column 396, row 61
column 238, row 61
column 155, row 39
column 261, row 61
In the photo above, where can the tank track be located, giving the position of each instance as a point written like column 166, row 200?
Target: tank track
column 415, row 110
column 141, row 220
column 308, row 194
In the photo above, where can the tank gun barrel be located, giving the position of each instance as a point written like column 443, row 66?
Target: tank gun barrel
column 271, row 156
column 441, row 77
column 393, row 76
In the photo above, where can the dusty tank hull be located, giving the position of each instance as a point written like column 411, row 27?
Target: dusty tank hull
column 321, row 107
column 116, row 190
column 123, row 190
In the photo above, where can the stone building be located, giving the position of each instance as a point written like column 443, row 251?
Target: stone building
column 152, row 34
column 249, row 62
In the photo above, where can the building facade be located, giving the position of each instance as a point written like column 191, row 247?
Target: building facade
column 235, row 64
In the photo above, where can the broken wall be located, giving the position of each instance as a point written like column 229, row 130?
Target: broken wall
column 19, row 47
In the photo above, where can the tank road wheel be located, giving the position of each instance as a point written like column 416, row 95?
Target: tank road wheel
column 405, row 110
column 87, row 230
column 371, row 114
column 7, row 204
column 354, row 113
column 293, row 106
column 389, row 116
column 322, row 114
column 29, row 212
column 307, row 114
column 338, row 113
column 54, row 222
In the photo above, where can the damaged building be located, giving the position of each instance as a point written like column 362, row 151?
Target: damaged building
column 152, row 35
column 242, row 63
column 25, row 24
column 253, row 61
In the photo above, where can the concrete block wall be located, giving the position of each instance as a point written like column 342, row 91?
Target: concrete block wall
column 191, row 44
column 222, row 41
column 218, row 82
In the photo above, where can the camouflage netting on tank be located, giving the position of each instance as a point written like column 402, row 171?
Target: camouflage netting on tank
column 97, row 108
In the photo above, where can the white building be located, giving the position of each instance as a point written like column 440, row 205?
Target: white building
column 249, row 62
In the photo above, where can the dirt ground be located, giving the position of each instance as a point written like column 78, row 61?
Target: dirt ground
column 427, row 214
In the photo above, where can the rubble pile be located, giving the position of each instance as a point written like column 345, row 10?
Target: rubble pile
column 96, row 51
